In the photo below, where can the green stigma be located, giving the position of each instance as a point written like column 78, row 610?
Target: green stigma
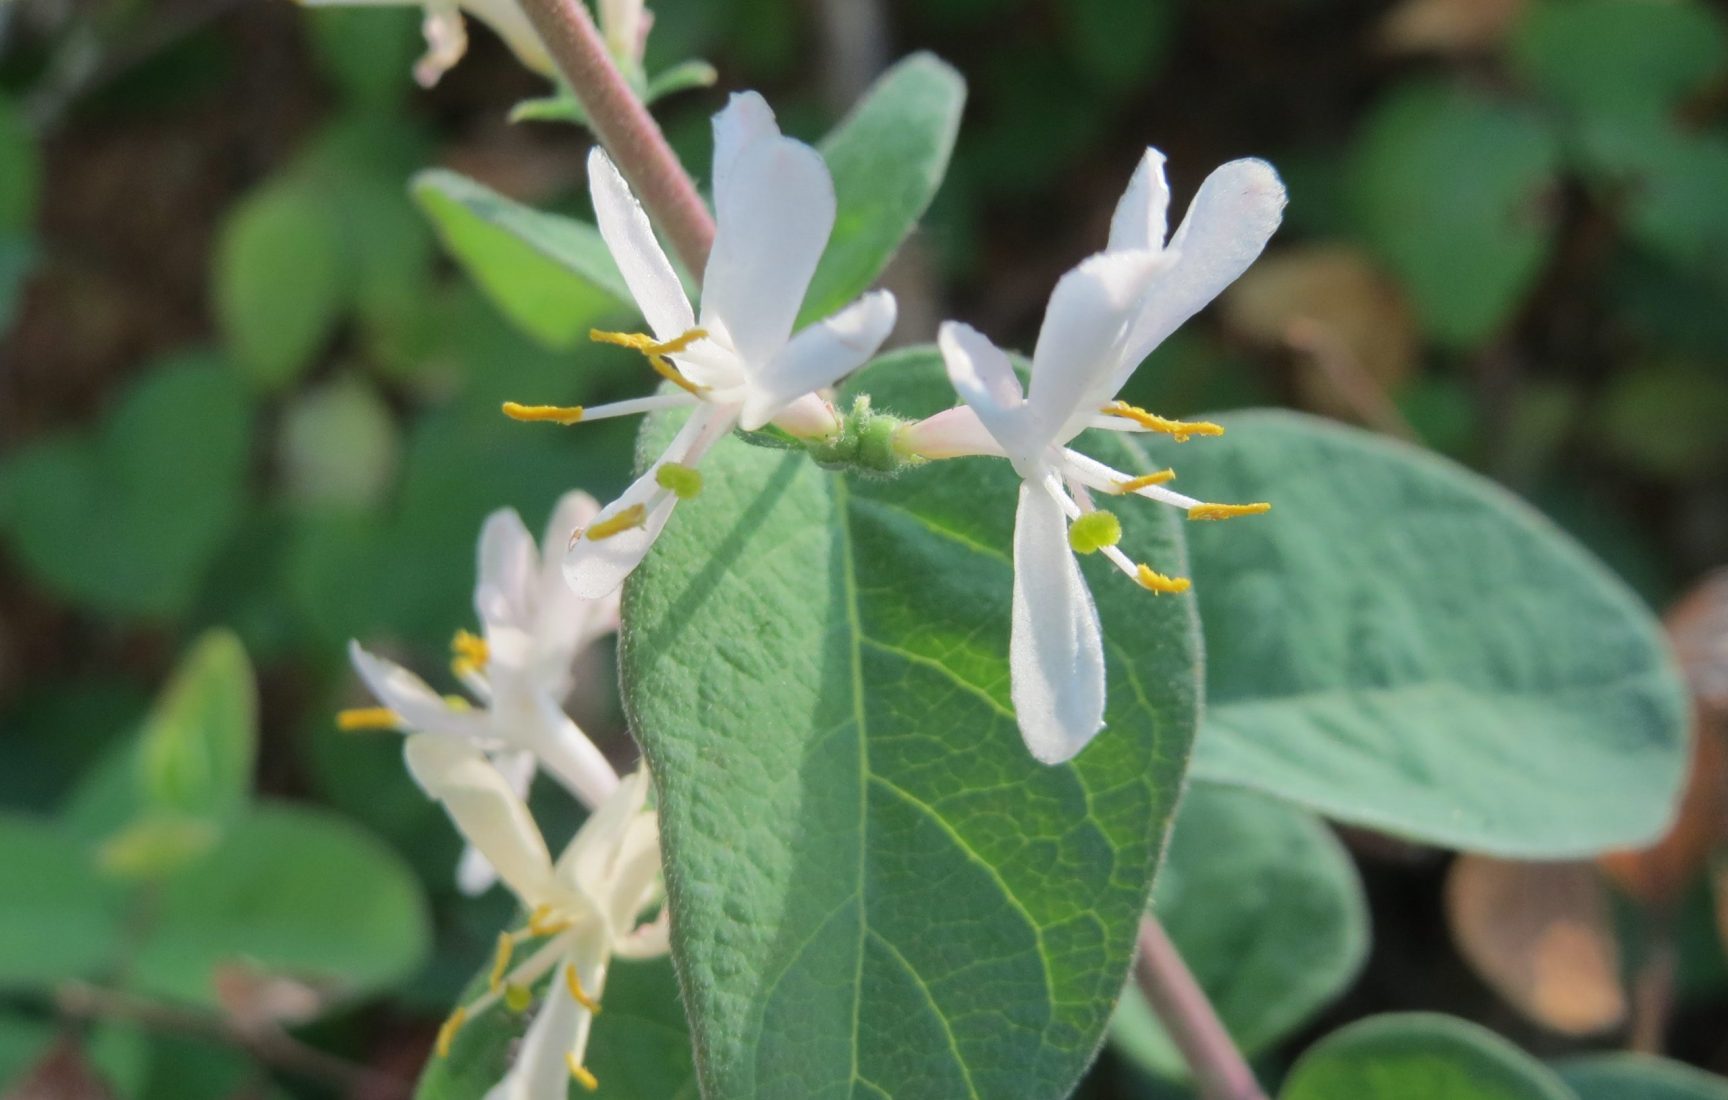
column 1094, row 531
column 517, row 998
column 684, row 481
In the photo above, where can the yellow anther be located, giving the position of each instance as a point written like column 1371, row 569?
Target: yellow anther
column 456, row 702
column 545, row 921
column 1159, row 583
column 517, row 998
column 1227, row 511
column 1179, row 430
column 632, row 517
column 501, row 961
column 656, row 352
column 577, row 993
column 447, row 1031
column 1135, row 484
column 543, row 414
column 580, row 1073
column 470, row 653
column 367, row 718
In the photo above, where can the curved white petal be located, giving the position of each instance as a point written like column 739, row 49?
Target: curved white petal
column 984, row 378
column 818, row 356
column 1141, row 219
column 474, row 872
column 773, row 211
column 504, row 594
column 1080, row 342
column 540, row 1070
column 745, row 120
column 1056, row 652
column 567, row 753
column 486, row 811
column 1227, row 226
column 565, row 624
column 589, row 861
column 421, row 709
column 640, row 258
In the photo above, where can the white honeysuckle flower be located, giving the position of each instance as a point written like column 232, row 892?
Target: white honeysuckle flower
column 739, row 364
column 447, row 32
column 1103, row 319
column 583, row 910
column 518, row 670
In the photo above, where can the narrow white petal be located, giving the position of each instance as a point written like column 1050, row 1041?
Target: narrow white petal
column 773, row 211
column 1056, row 653
column 1140, row 222
column 565, row 624
column 568, row 755
column 540, row 1071
column 589, row 861
column 474, row 872
column 1080, row 343
column 486, row 811
column 984, row 378
column 819, row 356
column 420, row 708
column 1227, row 226
column 640, row 258
column 504, row 595
column 745, row 120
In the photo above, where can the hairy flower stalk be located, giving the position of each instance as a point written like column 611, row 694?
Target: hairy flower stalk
column 1103, row 319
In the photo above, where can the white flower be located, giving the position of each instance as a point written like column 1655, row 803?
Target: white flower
column 447, row 33
column 582, row 910
column 1103, row 318
column 740, row 364
column 519, row 670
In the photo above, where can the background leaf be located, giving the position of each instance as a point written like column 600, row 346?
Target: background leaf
column 59, row 919
column 1419, row 1056
column 874, row 887
column 1639, row 1077
column 1265, row 906
column 1403, row 645
column 197, row 748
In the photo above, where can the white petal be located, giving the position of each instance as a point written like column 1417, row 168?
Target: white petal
column 984, row 378
column 819, row 356
column 504, row 594
column 745, row 120
column 773, row 211
column 567, row 753
column 486, row 811
column 446, row 42
column 951, row 433
column 474, row 872
column 1056, row 653
column 640, row 258
column 421, row 709
column 1233, row 215
column 566, row 624
column 590, row 858
column 1080, row 343
column 509, row 22
column 540, row 1071
column 809, row 417
column 1140, row 220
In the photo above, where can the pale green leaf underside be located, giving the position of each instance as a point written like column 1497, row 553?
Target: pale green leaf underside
column 1403, row 645
column 1419, row 1056
column 875, row 890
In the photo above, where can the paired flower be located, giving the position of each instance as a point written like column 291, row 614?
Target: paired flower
column 739, row 364
column 583, row 910
column 1103, row 318
column 518, row 670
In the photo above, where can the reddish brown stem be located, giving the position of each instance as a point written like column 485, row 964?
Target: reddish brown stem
column 1220, row 1073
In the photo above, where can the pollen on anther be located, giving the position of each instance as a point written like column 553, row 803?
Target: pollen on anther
column 632, row 517
column 501, row 962
column 1135, row 484
column 354, row 719
column 581, row 1073
column 1179, row 430
column 577, row 993
column 1160, row 584
column 469, row 653
column 1228, row 511
column 543, row 414
column 447, row 1031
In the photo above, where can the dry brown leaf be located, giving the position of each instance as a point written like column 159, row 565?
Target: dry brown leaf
column 1448, row 26
column 1541, row 935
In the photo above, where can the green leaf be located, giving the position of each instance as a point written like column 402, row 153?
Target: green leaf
column 1419, row 1056
column 339, row 447
column 20, row 172
column 1403, row 645
column 197, row 748
column 1639, row 1077
column 682, row 77
column 127, row 521
column 59, row 919
column 280, row 281
column 639, row 1049
column 888, row 158
column 1119, row 45
column 368, row 52
column 1619, row 57
column 874, row 888
column 1467, row 254
column 290, row 890
column 549, row 274
column 1291, row 938
column 23, row 1039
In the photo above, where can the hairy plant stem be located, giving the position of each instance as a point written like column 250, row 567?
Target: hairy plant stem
column 622, row 123
column 1220, row 1072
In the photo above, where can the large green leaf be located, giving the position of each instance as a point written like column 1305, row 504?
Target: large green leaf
column 1266, row 908
column 290, row 890
column 59, row 918
column 639, row 1049
column 1419, row 1056
column 1404, row 645
column 875, row 890
column 23, row 1039
column 1639, row 1077
column 888, row 158
column 1450, row 188
column 199, row 743
column 549, row 274
column 1619, row 57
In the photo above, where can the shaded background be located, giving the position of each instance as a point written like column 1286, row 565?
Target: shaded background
column 242, row 385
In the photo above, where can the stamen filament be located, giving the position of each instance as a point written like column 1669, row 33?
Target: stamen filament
column 1228, row 511
column 1157, row 477
column 355, row 719
column 632, row 517
column 1160, row 584
column 545, row 921
column 580, row 1073
column 448, row 1029
column 1179, row 430
column 656, row 352
column 577, row 993
column 543, row 414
